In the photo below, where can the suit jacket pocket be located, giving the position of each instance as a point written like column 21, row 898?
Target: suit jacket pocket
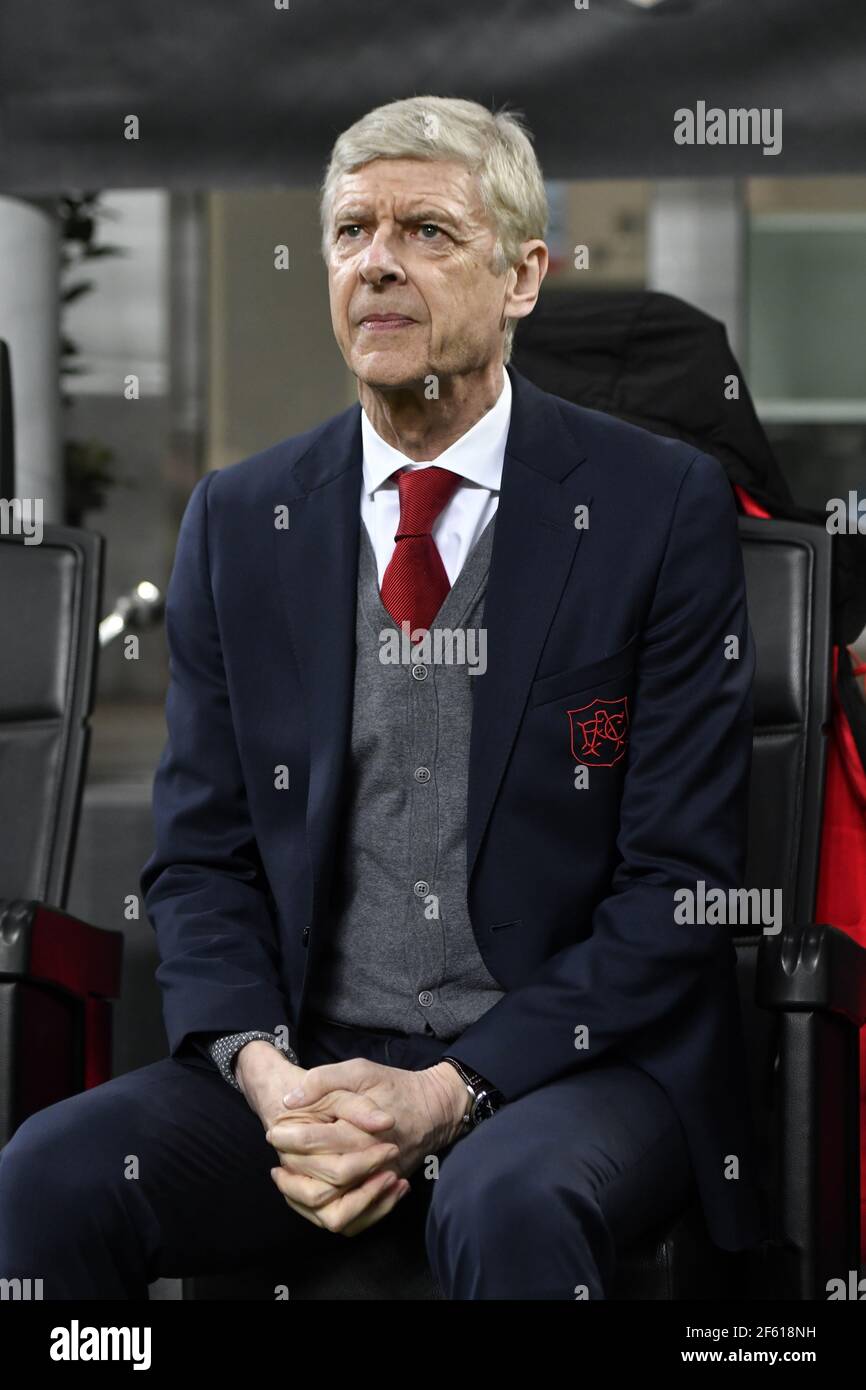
column 617, row 666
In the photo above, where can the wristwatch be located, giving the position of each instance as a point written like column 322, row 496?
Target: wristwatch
column 485, row 1099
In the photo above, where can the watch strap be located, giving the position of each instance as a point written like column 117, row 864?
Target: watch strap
column 485, row 1099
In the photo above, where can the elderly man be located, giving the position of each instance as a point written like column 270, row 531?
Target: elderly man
column 417, row 916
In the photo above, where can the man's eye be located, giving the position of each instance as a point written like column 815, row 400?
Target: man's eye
column 347, row 228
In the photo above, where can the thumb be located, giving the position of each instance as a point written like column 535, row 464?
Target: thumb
column 329, row 1080
column 315, row 1083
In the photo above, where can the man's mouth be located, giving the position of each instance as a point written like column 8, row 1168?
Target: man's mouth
column 379, row 323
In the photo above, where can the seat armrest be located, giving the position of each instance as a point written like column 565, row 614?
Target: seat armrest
column 817, row 967
column 43, row 944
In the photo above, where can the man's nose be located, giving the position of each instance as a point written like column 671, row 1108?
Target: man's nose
column 379, row 262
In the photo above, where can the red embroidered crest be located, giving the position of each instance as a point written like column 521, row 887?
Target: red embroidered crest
column 599, row 732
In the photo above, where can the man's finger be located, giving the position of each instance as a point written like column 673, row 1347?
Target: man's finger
column 347, row 1078
column 307, row 1192
column 376, row 1210
column 344, row 1208
column 341, row 1170
column 334, row 1216
column 317, row 1193
column 320, row 1136
column 359, row 1110
column 316, row 1083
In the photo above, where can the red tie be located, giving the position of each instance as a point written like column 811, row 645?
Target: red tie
column 414, row 584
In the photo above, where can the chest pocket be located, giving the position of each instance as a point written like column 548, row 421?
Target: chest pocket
column 619, row 666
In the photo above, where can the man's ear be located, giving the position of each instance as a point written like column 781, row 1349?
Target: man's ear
column 533, row 267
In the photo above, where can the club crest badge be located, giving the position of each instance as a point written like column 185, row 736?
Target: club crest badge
column 599, row 732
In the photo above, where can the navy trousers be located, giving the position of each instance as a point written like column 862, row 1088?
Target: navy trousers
column 164, row 1172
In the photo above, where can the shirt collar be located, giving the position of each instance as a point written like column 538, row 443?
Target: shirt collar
column 476, row 456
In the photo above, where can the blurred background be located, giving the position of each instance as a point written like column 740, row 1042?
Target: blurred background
column 150, row 164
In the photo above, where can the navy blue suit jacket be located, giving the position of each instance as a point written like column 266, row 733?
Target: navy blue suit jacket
column 606, row 650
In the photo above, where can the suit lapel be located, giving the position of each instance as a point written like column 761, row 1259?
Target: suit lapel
column 534, row 544
column 317, row 568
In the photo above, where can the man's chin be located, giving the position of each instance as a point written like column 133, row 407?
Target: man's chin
column 389, row 369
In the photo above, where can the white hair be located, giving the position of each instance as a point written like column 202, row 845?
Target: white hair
column 495, row 146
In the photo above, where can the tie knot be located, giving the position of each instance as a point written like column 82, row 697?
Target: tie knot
column 423, row 494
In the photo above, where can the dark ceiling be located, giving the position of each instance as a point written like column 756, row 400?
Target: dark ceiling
column 237, row 92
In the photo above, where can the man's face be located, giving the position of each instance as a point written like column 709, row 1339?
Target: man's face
column 409, row 239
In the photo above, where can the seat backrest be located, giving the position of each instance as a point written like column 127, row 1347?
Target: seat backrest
column 50, row 598
column 787, row 566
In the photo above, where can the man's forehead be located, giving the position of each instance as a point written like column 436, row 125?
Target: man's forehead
column 408, row 181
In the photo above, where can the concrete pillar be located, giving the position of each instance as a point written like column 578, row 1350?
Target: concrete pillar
column 29, row 323
column 696, row 249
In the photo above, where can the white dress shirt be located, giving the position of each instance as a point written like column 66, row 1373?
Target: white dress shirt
column 477, row 456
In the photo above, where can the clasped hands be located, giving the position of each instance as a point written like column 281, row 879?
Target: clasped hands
column 349, row 1134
